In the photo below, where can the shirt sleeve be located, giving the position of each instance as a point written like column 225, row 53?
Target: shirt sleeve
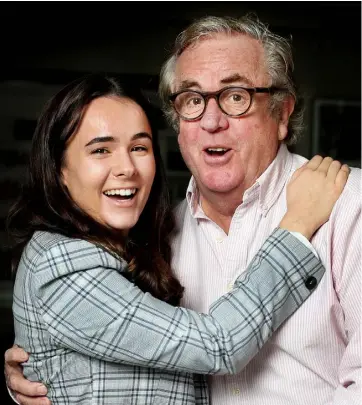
column 346, row 264
column 89, row 307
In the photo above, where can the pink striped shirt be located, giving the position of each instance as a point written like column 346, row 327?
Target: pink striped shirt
column 315, row 357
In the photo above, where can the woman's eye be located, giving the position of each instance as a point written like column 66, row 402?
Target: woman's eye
column 99, row 151
column 139, row 149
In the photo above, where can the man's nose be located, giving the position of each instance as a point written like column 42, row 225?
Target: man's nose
column 213, row 118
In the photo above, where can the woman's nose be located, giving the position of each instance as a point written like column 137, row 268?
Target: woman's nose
column 124, row 166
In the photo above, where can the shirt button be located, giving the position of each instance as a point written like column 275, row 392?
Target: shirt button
column 311, row 282
column 219, row 239
column 236, row 391
column 230, row 286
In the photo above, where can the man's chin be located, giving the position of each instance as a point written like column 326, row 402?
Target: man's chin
column 220, row 187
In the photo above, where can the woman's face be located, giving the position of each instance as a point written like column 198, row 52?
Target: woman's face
column 109, row 164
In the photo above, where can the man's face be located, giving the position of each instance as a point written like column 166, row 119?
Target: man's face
column 250, row 141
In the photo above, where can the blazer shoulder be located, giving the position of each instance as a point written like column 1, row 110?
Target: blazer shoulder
column 65, row 254
column 40, row 243
column 45, row 240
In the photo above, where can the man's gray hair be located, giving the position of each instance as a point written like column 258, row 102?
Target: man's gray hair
column 278, row 58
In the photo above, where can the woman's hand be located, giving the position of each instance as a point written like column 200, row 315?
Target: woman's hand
column 312, row 193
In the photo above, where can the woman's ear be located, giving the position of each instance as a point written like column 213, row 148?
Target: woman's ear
column 64, row 176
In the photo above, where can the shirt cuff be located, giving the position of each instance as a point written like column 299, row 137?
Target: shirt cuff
column 305, row 242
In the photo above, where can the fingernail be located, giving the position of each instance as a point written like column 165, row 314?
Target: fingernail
column 41, row 390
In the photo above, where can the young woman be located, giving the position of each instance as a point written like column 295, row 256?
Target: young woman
column 95, row 301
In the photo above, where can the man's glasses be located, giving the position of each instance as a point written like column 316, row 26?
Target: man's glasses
column 233, row 101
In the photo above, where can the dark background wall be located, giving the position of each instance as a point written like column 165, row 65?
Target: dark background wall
column 46, row 44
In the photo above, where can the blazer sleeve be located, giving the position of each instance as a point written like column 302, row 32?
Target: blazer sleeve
column 89, row 307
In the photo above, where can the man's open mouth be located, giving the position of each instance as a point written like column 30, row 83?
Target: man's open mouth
column 216, row 151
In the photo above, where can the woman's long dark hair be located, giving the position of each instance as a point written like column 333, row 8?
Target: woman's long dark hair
column 45, row 203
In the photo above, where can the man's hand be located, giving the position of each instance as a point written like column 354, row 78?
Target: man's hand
column 25, row 392
column 312, row 193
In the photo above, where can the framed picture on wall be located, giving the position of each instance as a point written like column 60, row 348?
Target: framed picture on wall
column 337, row 130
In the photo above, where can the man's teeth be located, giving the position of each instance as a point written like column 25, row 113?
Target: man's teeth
column 123, row 192
column 217, row 150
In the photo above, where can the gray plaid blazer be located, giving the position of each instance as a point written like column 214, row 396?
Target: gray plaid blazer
column 95, row 338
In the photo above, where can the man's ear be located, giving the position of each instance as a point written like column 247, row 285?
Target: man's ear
column 287, row 109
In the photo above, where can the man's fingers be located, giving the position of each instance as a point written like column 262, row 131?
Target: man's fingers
column 18, row 383
column 32, row 393
column 15, row 355
column 23, row 400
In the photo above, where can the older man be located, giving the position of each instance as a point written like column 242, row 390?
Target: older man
column 228, row 91
column 234, row 105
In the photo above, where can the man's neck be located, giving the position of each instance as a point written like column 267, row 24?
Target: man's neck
column 220, row 208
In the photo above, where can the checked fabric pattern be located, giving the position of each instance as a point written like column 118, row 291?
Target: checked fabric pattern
column 95, row 338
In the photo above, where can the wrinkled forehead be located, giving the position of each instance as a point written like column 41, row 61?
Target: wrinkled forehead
column 214, row 59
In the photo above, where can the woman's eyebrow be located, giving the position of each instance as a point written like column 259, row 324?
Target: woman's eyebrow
column 100, row 139
column 141, row 135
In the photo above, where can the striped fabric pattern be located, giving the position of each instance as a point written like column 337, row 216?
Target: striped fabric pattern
column 93, row 336
column 315, row 357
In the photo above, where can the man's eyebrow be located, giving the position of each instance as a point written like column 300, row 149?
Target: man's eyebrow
column 187, row 84
column 100, row 139
column 236, row 78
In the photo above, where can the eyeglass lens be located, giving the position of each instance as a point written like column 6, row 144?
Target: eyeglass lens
column 233, row 101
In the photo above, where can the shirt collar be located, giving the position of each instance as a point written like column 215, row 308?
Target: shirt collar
column 193, row 199
column 273, row 180
column 267, row 187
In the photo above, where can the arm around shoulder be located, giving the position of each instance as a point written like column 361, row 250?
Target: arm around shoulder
column 89, row 307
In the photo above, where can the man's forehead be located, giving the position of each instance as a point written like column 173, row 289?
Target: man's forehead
column 218, row 61
column 221, row 43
